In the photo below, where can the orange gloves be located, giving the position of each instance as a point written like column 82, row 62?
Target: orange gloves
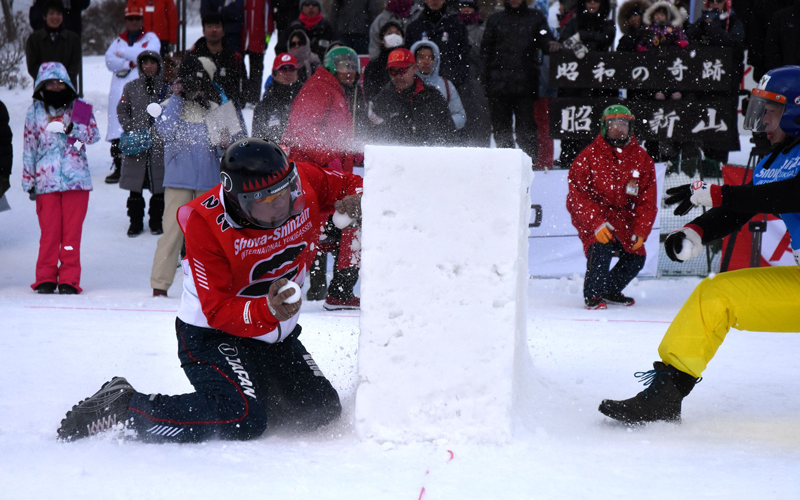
column 603, row 233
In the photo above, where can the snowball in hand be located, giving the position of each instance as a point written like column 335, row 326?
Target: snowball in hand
column 341, row 220
column 55, row 127
column 154, row 109
column 686, row 250
column 291, row 299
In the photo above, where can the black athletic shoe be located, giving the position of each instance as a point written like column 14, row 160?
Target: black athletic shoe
column 595, row 303
column 47, row 287
column 619, row 300
column 660, row 401
column 65, row 289
column 99, row 413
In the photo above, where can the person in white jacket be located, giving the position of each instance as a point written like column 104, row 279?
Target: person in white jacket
column 426, row 54
column 121, row 61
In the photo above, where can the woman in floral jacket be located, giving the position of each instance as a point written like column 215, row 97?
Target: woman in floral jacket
column 58, row 127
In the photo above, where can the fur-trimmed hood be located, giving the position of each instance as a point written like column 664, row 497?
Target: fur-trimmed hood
column 674, row 16
column 625, row 11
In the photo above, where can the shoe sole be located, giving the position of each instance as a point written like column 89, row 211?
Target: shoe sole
column 597, row 307
column 622, row 418
column 328, row 307
column 625, row 304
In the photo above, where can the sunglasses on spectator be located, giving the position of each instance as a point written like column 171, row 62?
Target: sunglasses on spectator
column 287, row 69
column 133, row 18
column 296, row 44
column 398, row 71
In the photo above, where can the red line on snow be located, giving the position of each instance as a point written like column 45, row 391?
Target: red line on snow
column 102, row 309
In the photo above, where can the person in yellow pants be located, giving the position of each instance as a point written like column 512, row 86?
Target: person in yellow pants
column 761, row 300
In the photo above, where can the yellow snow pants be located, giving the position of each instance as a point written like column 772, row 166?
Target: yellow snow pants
column 756, row 300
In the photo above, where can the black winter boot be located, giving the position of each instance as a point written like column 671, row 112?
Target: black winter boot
column 100, row 412
column 136, row 214
column 340, row 291
column 156, row 213
column 660, row 401
column 317, row 279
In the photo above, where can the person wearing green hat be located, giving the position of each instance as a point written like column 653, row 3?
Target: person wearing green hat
column 322, row 129
column 612, row 202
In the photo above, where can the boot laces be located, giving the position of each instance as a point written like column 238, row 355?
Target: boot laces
column 649, row 378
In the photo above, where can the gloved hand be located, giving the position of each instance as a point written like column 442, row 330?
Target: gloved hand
column 683, row 244
column 638, row 242
column 350, row 205
column 603, row 233
column 574, row 44
column 694, row 194
column 275, row 301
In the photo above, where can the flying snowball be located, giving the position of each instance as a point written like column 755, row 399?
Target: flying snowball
column 154, row 109
column 292, row 298
column 341, row 220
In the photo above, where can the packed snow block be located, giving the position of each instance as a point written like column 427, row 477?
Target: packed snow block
column 444, row 272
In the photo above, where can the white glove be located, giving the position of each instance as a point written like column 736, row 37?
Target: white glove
column 701, row 194
column 797, row 256
column 683, row 244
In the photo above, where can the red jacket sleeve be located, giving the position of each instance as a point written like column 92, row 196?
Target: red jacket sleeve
column 646, row 209
column 213, row 278
column 330, row 185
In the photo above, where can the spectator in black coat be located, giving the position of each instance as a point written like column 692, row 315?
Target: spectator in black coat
column 230, row 73
column 591, row 24
column 782, row 44
column 408, row 111
column 509, row 49
column 6, row 150
column 54, row 43
column 272, row 113
column 757, row 16
column 629, row 20
column 231, row 14
column 375, row 75
column 72, row 14
column 319, row 30
column 719, row 26
column 448, row 33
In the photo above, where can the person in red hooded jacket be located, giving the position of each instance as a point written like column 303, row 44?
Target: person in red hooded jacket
column 612, row 201
column 321, row 130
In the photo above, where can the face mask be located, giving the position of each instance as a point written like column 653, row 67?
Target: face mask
column 57, row 98
column 392, row 40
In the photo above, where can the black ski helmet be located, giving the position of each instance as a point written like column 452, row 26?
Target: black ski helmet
column 262, row 187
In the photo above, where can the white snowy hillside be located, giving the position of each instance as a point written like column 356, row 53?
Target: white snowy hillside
column 740, row 436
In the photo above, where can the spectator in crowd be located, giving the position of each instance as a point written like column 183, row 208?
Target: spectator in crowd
column 6, row 150
column 478, row 129
column 509, row 49
column 272, row 114
column 400, row 12
column 161, row 18
column 72, row 14
column 254, row 45
column 612, row 201
column 121, row 61
column 143, row 169
column 55, row 173
column 719, row 26
column 191, row 160
column 408, row 112
column 320, row 32
column 426, row 55
column 299, row 45
column 662, row 29
column 238, row 332
column 321, row 130
column 443, row 28
column 231, row 16
column 230, row 72
column 757, row 17
column 285, row 11
column 629, row 20
column 375, row 75
column 782, row 42
column 588, row 30
column 54, row 43
column 351, row 20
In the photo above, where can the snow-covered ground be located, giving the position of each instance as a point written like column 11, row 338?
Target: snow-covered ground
column 740, row 437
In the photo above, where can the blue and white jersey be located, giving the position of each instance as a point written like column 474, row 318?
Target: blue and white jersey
column 785, row 166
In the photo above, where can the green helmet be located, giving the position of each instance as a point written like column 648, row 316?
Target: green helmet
column 616, row 112
column 341, row 58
